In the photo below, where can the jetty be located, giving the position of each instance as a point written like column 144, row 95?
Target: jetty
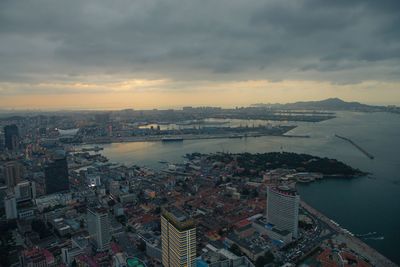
column 370, row 156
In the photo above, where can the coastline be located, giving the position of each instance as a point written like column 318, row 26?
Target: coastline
column 184, row 137
column 381, row 171
column 369, row 253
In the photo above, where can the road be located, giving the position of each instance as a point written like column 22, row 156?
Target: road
column 374, row 257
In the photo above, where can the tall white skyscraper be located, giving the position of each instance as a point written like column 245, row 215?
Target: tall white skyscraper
column 99, row 227
column 178, row 239
column 283, row 208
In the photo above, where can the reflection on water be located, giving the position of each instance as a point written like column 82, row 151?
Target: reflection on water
column 212, row 122
column 362, row 205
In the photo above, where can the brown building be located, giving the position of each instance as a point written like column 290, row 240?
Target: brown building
column 12, row 172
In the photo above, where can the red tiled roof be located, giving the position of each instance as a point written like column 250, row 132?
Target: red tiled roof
column 115, row 247
column 242, row 223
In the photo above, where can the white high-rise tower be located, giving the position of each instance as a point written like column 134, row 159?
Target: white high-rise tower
column 178, row 239
column 99, row 227
column 283, row 208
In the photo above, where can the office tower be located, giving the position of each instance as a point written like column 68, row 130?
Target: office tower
column 114, row 188
column 178, row 238
column 99, row 227
column 3, row 193
column 12, row 173
column 11, row 137
column 56, row 176
column 283, row 208
column 25, row 190
column 10, row 205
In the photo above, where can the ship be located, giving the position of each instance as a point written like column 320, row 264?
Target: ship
column 172, row 139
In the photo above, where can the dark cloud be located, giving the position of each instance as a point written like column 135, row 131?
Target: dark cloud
column 338, row 41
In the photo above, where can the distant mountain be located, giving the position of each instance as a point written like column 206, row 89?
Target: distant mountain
column 326, row 104
column 330, row 104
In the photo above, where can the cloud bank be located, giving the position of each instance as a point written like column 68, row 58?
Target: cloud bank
column 111, row 42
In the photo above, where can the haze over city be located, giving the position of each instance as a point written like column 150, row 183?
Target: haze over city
column 199, row 133
column 162, row 54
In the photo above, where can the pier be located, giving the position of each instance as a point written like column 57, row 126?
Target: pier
column 370, row 156
column 183, row 137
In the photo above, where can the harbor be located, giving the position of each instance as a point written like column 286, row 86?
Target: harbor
column 177, row 139
column 319, row 194
column 166, row 136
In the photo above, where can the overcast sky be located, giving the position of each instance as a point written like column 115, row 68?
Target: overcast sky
column 169, row 53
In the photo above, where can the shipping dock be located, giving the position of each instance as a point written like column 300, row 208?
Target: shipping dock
column 172, row 139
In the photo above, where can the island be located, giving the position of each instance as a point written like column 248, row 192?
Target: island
column 253, row 165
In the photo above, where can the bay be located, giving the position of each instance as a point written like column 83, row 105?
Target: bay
column 362, row 205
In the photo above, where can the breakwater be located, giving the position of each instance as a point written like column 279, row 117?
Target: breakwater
column 370, row 156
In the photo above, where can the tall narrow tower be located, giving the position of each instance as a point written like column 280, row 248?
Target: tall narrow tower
column 178, row 239
column 99, row 228
column 56, row 175
column 283, row 208
column 11, row 137
column 12, row 172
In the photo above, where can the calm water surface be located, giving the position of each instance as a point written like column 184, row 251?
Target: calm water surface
column 362, row 205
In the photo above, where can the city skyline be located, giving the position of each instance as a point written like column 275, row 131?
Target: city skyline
column 212, row 133
column 165, row 193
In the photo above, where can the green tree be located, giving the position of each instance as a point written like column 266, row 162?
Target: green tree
column 260, row 262
column 235, row 250
column 142, row 246
column 158, row 210
column 40, row 227
column 82, row 223
column 269, row 257
column 245, row 192
column 263, row 260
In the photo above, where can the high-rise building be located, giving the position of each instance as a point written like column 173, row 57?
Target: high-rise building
column 114, row 188
column 11, row 137
column 10, row 205
column 25, row 190
column 283, row 208
column 178, row 239
column 3, row 193
column 12, row 171
column 56, row 176
column 99, row 227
